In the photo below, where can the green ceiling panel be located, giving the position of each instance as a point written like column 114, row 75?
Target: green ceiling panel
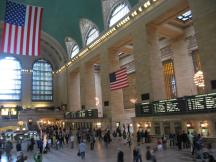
column 61, row 18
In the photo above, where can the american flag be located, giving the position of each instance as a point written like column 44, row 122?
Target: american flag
column 21, row 29
column 118, row 79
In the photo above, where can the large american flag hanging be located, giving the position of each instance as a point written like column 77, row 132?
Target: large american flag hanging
column 118, row 79
column 21, row 29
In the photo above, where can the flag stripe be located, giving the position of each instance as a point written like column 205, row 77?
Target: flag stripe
column 18, row 41
column 15, row 38
column 6, row 37
column 25, row 31
column 22, row 41
column 120, row 85
column 13, row 28
column 31, row 30
column 9, row 38
column 3, row 37
column 39, row 34
column 28, row 29
column 34, row 31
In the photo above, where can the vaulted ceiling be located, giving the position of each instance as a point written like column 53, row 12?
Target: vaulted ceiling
column 61, row 17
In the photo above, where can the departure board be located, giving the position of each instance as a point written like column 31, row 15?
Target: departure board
column 84, row 114
column 210, row 101
column 196, row 103
column 159, row 106
column 169, row 106
column 172, row 106
column 143, row 109
column 201, row 102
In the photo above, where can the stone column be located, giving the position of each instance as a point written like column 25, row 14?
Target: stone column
column 161, row 128
column 172, row 126
column 26, row 89
column 104, row 75
column 156, row 65
column 74, row 91
column 89, row 85
column 82, row 86
column 204, row 13
column 183, row 67
column 142, row 61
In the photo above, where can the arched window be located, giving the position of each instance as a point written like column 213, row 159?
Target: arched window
column 118, row 13
column 75, row 50
column 10, row 72
column 92, row 35
column 42, row 82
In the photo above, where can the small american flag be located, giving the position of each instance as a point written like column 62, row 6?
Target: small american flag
column 21, row 29
column 118, row 79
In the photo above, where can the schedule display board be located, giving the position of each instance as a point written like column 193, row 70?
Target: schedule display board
column 142, row 109
column 187, row 104
column 205, row 102
column 83, row 114
column 169, row 106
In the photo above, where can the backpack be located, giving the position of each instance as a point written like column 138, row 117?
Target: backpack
column 148, row 155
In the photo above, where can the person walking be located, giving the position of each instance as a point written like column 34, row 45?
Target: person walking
column 120, row 156
column 72, row 141
column 82, row 149
column 150, row 154
column 139, row 155
column 8, row 148
column 18, row 146
column 38, row 157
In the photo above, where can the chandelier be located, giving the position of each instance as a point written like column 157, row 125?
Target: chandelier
column 199, row 79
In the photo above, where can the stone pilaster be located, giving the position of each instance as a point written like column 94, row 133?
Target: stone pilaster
column 26, row 89
column 82, row 85
column 142, row 62
column 156, row 65
column 204, row 13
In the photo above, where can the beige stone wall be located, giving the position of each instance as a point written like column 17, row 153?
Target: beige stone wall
column 130, row 92
column 204, row 14
column 74, row 91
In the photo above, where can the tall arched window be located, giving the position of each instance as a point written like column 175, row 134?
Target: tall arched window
column 42, row 82
column 75, row 50
column 118, row 13
column 10, row 79
column 92, row 35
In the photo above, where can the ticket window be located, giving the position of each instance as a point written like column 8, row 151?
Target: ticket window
column 204, row 129
column 204, row 132
column 190, row 128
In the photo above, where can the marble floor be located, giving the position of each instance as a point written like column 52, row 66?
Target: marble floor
column 101, row 154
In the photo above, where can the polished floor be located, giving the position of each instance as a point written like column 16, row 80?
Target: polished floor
column 101, row 154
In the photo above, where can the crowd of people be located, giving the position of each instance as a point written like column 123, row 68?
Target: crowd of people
column 56, row 137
